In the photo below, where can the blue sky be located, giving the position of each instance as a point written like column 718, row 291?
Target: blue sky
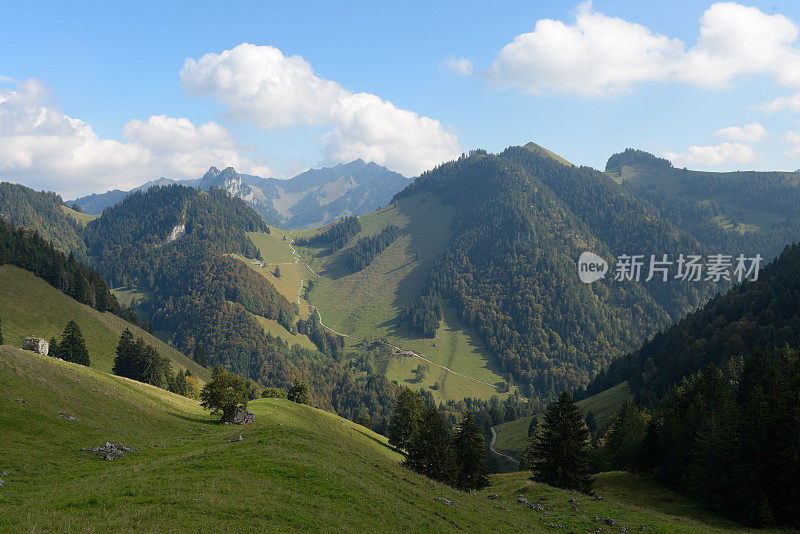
column 588, row 80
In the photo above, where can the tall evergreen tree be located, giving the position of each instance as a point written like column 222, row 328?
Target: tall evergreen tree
column 430, row 451
column 470, row 450
column 533, row 425
column 124, row 361
column 407, row 412
column 72, row 347
column 200, row 355
column 562, row 446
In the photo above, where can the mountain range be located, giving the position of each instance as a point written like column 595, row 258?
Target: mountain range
column 312, row 198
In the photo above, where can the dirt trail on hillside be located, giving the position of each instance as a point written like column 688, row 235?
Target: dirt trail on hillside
column 400, row 349
column 491, row 448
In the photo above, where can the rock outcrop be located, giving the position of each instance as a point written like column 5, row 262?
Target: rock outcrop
column 241, row 417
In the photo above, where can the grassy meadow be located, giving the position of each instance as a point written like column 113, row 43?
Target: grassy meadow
column 297, row 469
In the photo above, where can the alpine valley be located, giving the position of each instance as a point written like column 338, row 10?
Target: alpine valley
column 367, row 319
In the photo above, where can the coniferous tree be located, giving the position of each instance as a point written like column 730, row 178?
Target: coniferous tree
column 72, row 347
column 124, row 361
column 430, row 451
column 561, row 448
column 533, row 425
column 407, row 412
column 299, row 393
column 470, row 451
column 200, row 355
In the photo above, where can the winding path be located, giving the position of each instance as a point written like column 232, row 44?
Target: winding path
column 299, row 303
column 491, row 448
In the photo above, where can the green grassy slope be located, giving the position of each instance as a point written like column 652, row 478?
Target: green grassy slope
column 365, row 304
column 297, row 469
column 512, row 437
column 30, row 306
column 533, row 147
column 83, row 218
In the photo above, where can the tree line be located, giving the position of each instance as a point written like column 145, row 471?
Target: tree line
column 335, row 236
column 367, row 248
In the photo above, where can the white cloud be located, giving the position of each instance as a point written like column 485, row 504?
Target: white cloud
column 43, row 148
column 600, row 55
column 715, row 155
column 793, row 137
column 749, row 133
column 460, row 65
column 259, row 85
column 783, row 103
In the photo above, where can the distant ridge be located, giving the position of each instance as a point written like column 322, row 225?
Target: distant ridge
column 312, row 198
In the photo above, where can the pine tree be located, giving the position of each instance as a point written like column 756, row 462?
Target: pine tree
column 470, row 450
column 52, row 348
column 430, row 451
column 200, row 355
column 562, row 446
column 277, row 272
column 124, row 361
column 299, row 393
column 72, row 347
column 534, row 424
column 407, row 411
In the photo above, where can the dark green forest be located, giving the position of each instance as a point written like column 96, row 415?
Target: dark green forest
column 366, row 248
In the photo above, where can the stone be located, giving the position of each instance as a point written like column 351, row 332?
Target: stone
column 448, row 502
column 241, row 417
column 21, row 401
column 110, row 451
column 2, row 483
column 67, row 416
column 610, row 522
column 572, row 501
column 522, row 500
column 36, row 344
column 237, row 438
column 494, row 496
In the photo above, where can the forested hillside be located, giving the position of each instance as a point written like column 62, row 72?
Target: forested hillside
column 42, row 211
column 764, row 314
column 28, row 250
column 733, row 212
column 522, row 220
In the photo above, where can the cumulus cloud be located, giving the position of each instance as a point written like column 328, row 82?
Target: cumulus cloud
column 44, row 148
column 749, row 133
column 713, row 156
column 783, row 103
column 600, row 55
column 793, row 138
column 259, row 85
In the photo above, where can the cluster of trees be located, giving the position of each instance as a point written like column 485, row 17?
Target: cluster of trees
column 762, row 314
column 327, row 342
column 726, row 437
column 336, row 236
column 422, row 432
column 139, row 361
column 424, row 314
column 72, row 347
column 632, row 156
column 30, row 251
column 366, row 248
